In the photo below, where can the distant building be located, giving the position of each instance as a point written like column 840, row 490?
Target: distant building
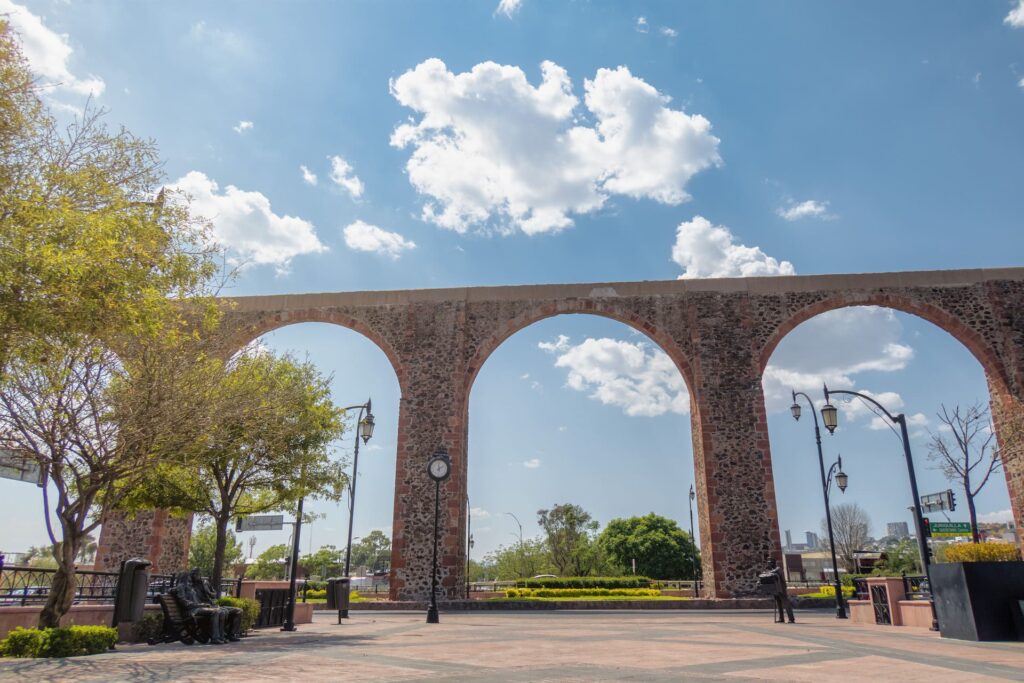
column 812, row 540
column 897, row 530
column 789, row 539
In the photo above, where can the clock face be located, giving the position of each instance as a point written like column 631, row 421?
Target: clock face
column 438, row 468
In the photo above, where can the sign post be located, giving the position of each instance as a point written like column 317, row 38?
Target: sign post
column 259, row 523
column 950, row 529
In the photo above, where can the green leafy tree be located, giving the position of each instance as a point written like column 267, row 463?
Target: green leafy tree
column 271, row 564
column 373, row 550
column 202, row 549
column 900, row 558
column 522, row 560
column 326, row 561
column 661, row 549
column 266, row 444
column 570, row 534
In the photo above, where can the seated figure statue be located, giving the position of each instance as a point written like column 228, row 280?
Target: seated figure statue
column 185, row 593
column 232, row 616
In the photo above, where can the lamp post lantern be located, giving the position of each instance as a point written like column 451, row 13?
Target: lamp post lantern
column 829, row 416
column 693, row 540
column 365, row 432
column 439, row 468
column 826, row 483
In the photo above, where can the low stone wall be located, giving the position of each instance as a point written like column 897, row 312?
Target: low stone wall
column 80, row 615
column 483, row 605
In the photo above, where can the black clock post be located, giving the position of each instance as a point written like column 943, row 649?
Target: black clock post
column 439, row 468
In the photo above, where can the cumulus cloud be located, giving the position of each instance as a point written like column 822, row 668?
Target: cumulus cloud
column 508, row 7
column 308, row 176
column 491, row 149
column 1016, row 16
column 245, row 223
column 479, row 513
column 1020, row 84
column 532, row 463
column 242, row 127
column 639, row 379
column 806, row 209
column 48, row 53
column 997, row 517
column 641, row 25
column 668, row 32
column 343, row 175
column 706, row 250
column 362, row 236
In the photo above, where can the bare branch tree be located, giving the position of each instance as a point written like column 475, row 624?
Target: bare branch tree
column 851, row 526
column 972, row 456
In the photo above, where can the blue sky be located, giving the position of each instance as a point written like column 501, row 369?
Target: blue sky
column 379, row 145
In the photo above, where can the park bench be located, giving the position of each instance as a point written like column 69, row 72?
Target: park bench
column 180, row 625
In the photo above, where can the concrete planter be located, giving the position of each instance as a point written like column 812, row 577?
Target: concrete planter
column 976, row 600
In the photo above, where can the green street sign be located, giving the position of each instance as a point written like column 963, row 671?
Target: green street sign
column 950, row 529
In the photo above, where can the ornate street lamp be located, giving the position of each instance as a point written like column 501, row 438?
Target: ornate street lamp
column 364, row 431
column 826, row 482
column 831, row 422
column 693, row 540
column 439, row 468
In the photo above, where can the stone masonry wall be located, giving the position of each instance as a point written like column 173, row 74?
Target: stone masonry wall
column 156, row 535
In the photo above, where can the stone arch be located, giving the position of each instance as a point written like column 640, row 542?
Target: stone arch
column 989, row 359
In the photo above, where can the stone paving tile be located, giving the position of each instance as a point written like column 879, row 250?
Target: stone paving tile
column 563, row 646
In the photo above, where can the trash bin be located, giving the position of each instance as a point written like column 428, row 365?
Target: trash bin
column 132, row 584
column 337, row 594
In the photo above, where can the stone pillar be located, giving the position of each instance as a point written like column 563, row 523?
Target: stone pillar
column 157, row 535
column 739, row 527
column 1008, row 419
column 431, row 415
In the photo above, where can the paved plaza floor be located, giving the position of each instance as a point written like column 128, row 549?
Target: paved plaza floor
column 556, row 646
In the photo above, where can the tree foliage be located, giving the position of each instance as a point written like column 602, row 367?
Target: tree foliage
column 522, row 560
column 373, row 551
column 661, row 549
column 326, row 562
column 202, row 549
column 271, row 564
column 570, row 533
column 851, row 526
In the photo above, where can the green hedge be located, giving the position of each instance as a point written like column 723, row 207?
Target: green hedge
column 250, row 610
column 610, row 582
column 313, row 594
column 66, row 641
column 581, row 592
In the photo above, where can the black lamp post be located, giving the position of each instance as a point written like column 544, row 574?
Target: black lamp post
column 469, row 541
column 830, row 416
column 439, row 468
column 694, row 541
column 293, row 569
column 826, row 484
column 365, row 431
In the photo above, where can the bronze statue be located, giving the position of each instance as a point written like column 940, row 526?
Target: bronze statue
column 773, row 582
column 231, row 616
column 185, row 593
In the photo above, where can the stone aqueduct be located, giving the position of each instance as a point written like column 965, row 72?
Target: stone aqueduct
column 720, row 333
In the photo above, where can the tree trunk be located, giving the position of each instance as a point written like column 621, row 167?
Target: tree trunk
column 218, row 554
column 974, row 517
column 62, row 588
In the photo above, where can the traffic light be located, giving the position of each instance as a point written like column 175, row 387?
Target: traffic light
column 926, row 527
column 951, row 499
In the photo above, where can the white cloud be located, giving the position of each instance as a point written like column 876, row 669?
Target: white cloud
column 641, row 25
column 806, row 209
column 706, row 250
column 1020, row 83
column 919, row 420
column 242, row 127
column 532, row 463
column 245, row 223
column 668, row 32
column 525, row 375
column 491, row 149
column 508, row 7
column 343, row 175
column 1016, row 16
column 365, row 237
column 47, row 52
column 308, row 176
column 997, row 517
column 220, row 41
column 641, row 380
column 479, row 513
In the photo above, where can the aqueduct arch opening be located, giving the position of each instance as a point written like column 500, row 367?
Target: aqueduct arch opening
column 724, row 330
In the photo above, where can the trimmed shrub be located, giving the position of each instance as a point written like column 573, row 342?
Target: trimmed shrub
column 354, row 596
column 610, row 582
column 316, row 594
column 981, row 552
column 847, row 579
column 581, row 592
column 830, row 592
column 66, row 641
column 250, row 610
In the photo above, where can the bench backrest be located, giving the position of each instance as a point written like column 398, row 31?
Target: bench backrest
column 172, row 610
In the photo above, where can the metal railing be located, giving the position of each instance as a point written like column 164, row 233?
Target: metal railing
column 916, row 587
column 27, row 586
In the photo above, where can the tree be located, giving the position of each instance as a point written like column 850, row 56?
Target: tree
column 270, row 564
column 900, row 558
column 972, row 458
column 661, row 549
column 371, row 549
column 522, row 560
column 570, row 532
column 202, row 549
column 268, row 427
column 851, row 526
column 326, row 561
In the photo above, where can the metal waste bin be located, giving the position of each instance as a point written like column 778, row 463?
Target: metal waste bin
column 338, row 594
column 132, row 584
